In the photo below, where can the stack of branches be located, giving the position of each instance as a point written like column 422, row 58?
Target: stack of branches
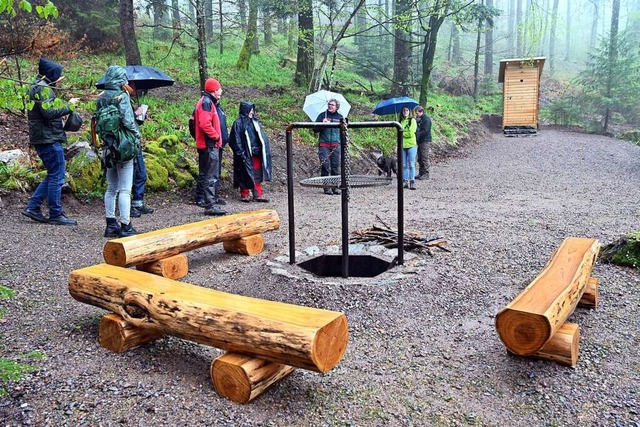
column 388, row 237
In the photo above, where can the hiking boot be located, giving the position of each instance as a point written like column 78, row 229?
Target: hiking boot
column 423, row 176
column 62, row 219
column 136, row 211
column 200, row 203
column 328, row 191
column 245, row 199
column 34, row 214
column 219, row 201
column 406, row 184
column 336, row 191
column 113, row 229
column 261, row 199
column 412, row 185
column 127, row 230
column 215, row 211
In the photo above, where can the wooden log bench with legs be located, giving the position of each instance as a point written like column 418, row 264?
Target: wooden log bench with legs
column 534, row 323
column 240, row 233
column 265, row 339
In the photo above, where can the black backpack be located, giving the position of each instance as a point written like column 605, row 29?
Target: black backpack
column 192, row 124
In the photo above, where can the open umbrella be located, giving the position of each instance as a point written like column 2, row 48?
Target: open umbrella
column 394, row 105
column 143, row 77
column 317, row 103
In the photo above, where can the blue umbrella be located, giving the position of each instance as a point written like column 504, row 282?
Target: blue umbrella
column 394, row 105
column 143, row 77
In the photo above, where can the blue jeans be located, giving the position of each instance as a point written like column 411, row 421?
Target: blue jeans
column 119, row 180
column 329, row 160
column 50, row 189
column 409, row 163
column 139, row 180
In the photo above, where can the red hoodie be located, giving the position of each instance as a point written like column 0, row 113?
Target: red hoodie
column 207, row 123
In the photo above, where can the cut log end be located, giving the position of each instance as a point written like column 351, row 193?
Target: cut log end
column 174, row 267
column 118, row 335
column 250, row 245
column 522, row 333
column 330, row 344
column 230, row 381
column 114, row 253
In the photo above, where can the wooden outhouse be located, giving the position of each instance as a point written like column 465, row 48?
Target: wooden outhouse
column 520, row 94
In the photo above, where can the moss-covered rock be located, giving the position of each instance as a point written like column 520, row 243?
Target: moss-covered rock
column 625, row 251
column 85, row 172
column 184, row 179
column 157, row 174
column 631, row 135
column 154, row 148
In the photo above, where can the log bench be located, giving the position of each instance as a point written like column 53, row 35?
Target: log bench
column 266, row 339
column 534, row 323
column 241, row 233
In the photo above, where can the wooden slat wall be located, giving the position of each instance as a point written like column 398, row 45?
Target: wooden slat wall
column 520, row 92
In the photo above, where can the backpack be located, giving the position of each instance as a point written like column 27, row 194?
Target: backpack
column 192, row 124
column 120, row 144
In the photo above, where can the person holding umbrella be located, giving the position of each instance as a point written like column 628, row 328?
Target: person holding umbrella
column 409, row 148
column 329, row 142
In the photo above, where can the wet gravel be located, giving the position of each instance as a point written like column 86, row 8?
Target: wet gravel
column 423, row 349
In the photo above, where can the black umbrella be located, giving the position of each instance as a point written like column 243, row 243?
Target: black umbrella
column 143, row 77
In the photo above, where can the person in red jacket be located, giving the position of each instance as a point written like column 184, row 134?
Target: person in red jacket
column 208, row 142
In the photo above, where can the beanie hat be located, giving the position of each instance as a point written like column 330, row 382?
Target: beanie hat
column 211, row 85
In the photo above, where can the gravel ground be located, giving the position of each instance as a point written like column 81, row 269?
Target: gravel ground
column 423, row 349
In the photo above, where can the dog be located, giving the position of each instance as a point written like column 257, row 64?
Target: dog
column 387, row 165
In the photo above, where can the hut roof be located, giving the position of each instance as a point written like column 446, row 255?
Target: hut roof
column 537, row 61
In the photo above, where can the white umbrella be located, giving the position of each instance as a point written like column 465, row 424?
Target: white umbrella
column 317, row 103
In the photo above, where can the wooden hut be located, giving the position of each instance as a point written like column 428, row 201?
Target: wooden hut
column 520, row 93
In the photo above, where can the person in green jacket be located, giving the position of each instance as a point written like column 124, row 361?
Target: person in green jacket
column 409, row 148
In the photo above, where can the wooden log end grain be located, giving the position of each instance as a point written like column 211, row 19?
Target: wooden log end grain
column 563, row 347
column 522, row 333
column 250, row 245
column 330, row 344
column 118, row 335
column 174, row 267
column 241, row 378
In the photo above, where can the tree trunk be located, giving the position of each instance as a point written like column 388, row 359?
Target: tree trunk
column 250, row 245
column 127, row 28
column 519, row 29
column 552, row 38
column 221, row 22
column 159, row 10
column 242, row 11
column 241, row 378
column 166, row 242
column 208, row 13
column 428, row 55
column 511, row 25
column 534, row 316
column 247, row 47
column 267, row 25
column 563, row 347
column 175, row 267
column 613, row 60
column 488, row 46
column 306, row 54
column 476, row 58
column 118, row 335
column 202, row 42
column 175, row 18
column 593, row 39
column 288, row 334
column 568, row 29
column 456, row 54
column 401, row 49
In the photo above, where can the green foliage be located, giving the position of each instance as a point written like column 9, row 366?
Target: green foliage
column 626, row 251
column 85, row 172
column 16, row 177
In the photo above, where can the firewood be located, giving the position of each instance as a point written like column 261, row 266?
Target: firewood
column 174, row 267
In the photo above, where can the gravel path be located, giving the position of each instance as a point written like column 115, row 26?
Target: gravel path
column 423, row 349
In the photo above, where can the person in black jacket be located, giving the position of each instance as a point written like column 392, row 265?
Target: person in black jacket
column 46, row 134
column 329, row 143
column 251, row 154
column 423, row 136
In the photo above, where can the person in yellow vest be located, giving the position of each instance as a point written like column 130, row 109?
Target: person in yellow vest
column 409, row 148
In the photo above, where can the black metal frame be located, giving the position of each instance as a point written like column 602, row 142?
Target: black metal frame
column 343, row 186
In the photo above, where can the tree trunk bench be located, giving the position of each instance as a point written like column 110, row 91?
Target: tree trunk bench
column 532, row 319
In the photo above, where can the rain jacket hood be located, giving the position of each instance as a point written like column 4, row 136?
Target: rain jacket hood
column 245, row 109
column 115, row 78
column 49, row 70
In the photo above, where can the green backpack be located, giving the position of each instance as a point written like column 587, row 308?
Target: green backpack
column 121, row 144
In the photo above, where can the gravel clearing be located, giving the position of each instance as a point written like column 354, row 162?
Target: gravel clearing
column 423, row 349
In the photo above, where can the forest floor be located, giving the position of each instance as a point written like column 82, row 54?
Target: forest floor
column 423, row 348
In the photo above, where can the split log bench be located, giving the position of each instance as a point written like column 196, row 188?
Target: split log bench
column 161, row 251
column 265, row 340
column 533, row 324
